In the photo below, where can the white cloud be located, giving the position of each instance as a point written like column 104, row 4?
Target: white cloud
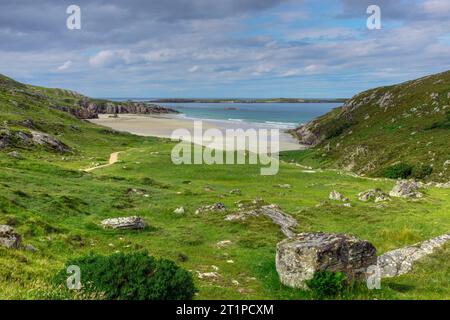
column 193, row 69
column 108, row 58
column 65, row 66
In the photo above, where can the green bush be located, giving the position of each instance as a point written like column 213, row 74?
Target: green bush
column 135, row 276
column 398, row 171
column 422, row 171
column 326, row 284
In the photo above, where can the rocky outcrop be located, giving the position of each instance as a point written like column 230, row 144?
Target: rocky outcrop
column 9, row 238
column 406, row 189
column 88, row 109
column 133, row 223
column 307, row 135
column 259, row 208
column 49, row 141
column 376, row 195
column 300, row 257
column 401, row 261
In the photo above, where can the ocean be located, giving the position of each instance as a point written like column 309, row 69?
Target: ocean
column 281, row 115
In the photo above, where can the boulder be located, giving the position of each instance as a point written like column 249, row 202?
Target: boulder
column 376, row 195
column 406, row 189
column 9, row 238
column 300, row 257
column 337, row 196
column 133, row 223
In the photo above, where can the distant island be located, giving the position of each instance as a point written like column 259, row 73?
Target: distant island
column 242, row 100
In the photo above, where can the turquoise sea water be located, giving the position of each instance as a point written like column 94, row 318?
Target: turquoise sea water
column 282, row 115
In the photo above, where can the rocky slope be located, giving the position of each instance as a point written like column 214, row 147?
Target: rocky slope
column 51, row 119
column 408, row 123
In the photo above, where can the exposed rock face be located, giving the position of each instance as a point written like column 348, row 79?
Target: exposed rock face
column 406, row 189
column 9, row 238
column 49, row 141
column 88, row 109
column 307, row 136
column 400, row 261
column 133, row 223
column 337, row 196
column 376, row 195
column 298, row 258
column 259, row 208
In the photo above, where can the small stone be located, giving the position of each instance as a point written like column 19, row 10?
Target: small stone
column 179, row 210
column 9, row 238
column 31, row 248
column 337, row 196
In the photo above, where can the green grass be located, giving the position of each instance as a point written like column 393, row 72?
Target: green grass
column 58, row 210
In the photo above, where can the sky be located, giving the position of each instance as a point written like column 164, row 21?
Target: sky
column 226, row 48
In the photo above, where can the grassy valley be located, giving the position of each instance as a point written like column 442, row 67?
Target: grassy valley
column 57, row 207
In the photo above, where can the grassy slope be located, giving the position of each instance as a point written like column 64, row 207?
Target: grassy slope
column 57, row 208
column 367, row 135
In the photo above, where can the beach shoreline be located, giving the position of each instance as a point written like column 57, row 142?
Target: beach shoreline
column 162, row 126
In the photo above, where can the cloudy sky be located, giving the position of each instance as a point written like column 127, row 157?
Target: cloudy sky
column 226, row 48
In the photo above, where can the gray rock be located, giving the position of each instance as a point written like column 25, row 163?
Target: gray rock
column 258, row 207
column 9, row 238
column 337, row 196
column 406, row 189
column 236, row 191
column 133, row 223
column 376, row 195
column 401, row 261
column 217, row 207
column 49, row 141
column 31, row 248
column 14, row 154
column 300, row 257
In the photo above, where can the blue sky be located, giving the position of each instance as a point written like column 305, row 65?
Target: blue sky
column 228, row 48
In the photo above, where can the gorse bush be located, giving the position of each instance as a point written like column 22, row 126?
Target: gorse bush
column 398, row 171
column 136, row 276
column 326, row 284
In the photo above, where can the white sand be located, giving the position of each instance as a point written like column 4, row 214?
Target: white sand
column 164, row 125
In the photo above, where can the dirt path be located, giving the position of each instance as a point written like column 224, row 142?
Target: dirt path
column 113, row 158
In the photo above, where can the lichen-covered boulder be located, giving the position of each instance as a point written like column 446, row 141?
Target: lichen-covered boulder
column 133, row 223
column 406, row 189
column 9, row 238
column 376, row 195
column 300, row 257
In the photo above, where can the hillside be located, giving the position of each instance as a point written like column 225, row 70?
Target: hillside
column 35, row 118
column 407, row 123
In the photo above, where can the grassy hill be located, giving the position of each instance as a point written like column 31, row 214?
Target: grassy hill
column 57, row 207
column 407, row 123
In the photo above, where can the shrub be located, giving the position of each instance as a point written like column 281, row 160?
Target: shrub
column 326, row 284
column 422, row 171
column 136, row 276
column 398, row 171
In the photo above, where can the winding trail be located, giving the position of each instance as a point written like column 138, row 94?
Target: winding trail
column 113, row 158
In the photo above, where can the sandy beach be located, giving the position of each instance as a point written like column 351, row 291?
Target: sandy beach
column 164, row 125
